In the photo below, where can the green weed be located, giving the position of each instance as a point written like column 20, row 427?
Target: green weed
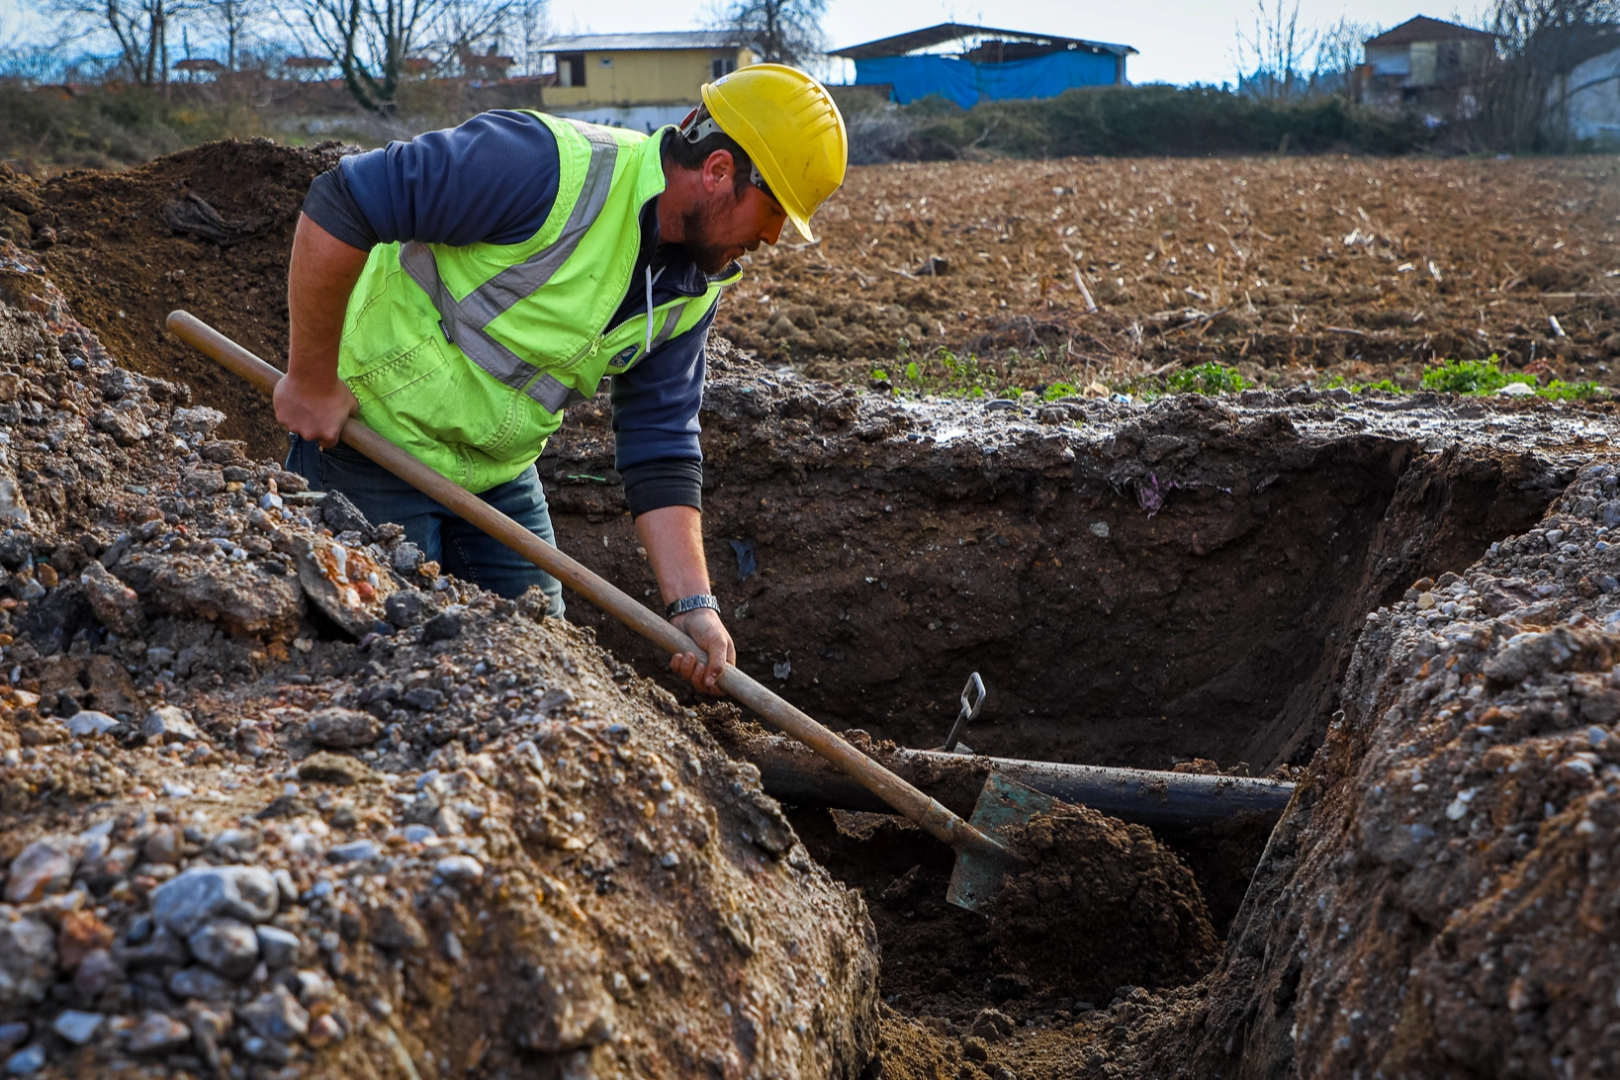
column 1471, row 377
column 1207, row 378
column 1558, row 390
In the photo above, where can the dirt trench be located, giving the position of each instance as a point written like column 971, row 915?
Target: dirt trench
column 1137, row 588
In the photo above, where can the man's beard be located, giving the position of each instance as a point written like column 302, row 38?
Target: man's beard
column 698, row 225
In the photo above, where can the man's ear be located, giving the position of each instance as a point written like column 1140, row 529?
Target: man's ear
column 717, row 171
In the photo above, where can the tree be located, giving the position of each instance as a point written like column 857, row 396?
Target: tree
column 1537, row 43
column 1271, row 55
column 780, row 31
column 141, row 28
column 374, row 42
column 235, row 19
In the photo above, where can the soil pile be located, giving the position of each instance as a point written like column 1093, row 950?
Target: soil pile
column 208, row 229
column 241, row 842
column 1102, row 904
column 1369, row 268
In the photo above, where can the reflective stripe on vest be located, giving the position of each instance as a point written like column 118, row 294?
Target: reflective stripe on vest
column 463, row 321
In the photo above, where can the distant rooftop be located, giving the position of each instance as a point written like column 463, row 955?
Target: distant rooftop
column 1424, row 28
column 675, row 39
column 900, row 44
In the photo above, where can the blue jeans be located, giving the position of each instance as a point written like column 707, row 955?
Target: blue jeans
column 458, row 546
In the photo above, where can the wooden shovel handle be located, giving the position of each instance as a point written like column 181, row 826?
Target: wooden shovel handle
column 927, row 813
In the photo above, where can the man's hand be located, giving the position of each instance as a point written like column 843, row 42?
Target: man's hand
column 673, row 537
column 313, row 407
column 704, row 627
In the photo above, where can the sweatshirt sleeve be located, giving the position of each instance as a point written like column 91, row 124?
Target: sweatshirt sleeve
column 655, row 423
column 493, row 179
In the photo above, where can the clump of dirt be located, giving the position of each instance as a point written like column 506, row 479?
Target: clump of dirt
column 207, row 229
column 280, row 800
column 1101, row 904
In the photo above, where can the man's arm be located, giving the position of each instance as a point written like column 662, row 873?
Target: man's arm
column 655, row 425
column 673, row 537
column 311, row 400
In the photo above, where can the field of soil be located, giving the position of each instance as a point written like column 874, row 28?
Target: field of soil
column 1289, row 269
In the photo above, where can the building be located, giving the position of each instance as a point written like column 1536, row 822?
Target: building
column 1585, row 97
column 969, row 64
column 639, row 81
column 1424, row 63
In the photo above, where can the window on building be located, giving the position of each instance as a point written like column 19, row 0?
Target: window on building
column 722, row 66
column 570, row 69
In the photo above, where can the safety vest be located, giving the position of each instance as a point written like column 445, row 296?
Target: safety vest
column 466, row 356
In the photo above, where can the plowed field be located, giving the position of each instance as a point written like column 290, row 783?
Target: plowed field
column 1368, row 269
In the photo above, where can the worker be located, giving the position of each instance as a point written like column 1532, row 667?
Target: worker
column 458, row 291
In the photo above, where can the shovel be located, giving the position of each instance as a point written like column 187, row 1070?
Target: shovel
column 983, row 857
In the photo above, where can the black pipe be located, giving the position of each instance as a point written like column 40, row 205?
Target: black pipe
column 1160, row 799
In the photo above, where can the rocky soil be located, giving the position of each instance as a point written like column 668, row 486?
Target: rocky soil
column 281, row 800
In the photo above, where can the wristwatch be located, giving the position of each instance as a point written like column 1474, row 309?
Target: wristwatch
column 691, row 603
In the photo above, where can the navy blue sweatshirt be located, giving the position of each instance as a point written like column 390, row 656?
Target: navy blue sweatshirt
column 494, row 179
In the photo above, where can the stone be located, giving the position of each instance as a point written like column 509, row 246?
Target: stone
column 344, row 729
column 407, row 607
column 77, row 1027
column 158, row 1034
column 45, row 866
column 341, row 516
column 395, row 928
column 198, row 983
column 424, row 698
column 278, row 947
column 993, row 1025
column 163, row 846
column 354, row 851
column 327, row 768
column 88, row 722
column 169, row 725
column 323, row 1031
column 81, row 933
column 228, row 946
column 459, row 869
column 270, row 1051
column 276, row 1014
column 114, row 604
column 162, row 949
column 442, row 627
column 11, row 1034
column 26, row 1062
column 185, row 903
column 191, row 586
column 407, row 557
column 96, row 972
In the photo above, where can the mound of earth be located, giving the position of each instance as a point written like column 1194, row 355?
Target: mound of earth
column 207, row 229
column 282, row 800
column 1101, row 904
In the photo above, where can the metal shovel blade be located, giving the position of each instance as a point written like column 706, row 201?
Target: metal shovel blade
column 978, row 875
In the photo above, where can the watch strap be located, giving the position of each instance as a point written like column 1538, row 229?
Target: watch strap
column 691, row 603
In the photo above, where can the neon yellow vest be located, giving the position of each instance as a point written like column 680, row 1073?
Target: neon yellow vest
column 466, row 356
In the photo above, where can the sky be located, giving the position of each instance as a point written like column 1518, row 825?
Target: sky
column 1180, row 41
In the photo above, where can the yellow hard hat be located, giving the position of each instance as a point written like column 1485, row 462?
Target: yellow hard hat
column 787, row 123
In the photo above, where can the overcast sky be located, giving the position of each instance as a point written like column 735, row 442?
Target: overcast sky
column 1181, row 41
